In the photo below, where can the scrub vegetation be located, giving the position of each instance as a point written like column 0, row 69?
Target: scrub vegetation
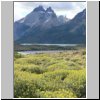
column 50, row 75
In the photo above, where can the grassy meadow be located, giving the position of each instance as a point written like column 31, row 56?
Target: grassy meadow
column 50, row 75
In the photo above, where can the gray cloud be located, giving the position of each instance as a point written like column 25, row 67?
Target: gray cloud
column 23, row 8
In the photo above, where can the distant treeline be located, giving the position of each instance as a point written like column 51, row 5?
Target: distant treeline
column 18, row 47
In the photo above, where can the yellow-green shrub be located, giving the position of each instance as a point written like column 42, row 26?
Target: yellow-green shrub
column 61, row 93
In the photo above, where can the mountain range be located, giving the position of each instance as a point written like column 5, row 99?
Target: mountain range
column 44, row 26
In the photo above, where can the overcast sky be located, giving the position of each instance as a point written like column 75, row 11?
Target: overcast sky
column 68, row 9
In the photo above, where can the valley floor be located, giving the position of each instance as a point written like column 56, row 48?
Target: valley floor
column 50, row 75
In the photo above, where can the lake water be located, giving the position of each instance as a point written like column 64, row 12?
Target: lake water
column 38, row 52
column 49, row 51
column 50, row 44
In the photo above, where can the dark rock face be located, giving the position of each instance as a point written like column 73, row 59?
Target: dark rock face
column 40, row 8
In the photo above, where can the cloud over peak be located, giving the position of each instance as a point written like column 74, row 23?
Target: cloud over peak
column 68, row 9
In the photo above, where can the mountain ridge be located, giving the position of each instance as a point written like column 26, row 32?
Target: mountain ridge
column 48, row 29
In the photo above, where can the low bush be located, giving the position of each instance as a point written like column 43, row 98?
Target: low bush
column 34, row 69
column 61, row 93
